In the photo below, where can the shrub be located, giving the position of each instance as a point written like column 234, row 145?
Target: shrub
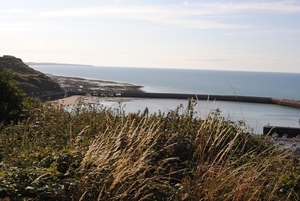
column 11, row 98
column 95, row 153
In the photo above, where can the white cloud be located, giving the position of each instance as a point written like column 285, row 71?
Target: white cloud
column 177, row 10
column 225, row 8
column 183, row 15
column 173, row 15
column 15, row 11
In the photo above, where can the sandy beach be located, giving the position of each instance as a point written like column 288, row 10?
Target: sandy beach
column 72, row 100
column 87, row 99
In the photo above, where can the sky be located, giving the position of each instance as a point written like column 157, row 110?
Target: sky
column 219, row 35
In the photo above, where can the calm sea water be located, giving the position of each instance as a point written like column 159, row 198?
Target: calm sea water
column 261, row 84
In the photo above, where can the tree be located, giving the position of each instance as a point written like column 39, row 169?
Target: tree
column 11, row 98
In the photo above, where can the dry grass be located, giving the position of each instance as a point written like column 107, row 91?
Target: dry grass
column 121, row 158
column 100, row 154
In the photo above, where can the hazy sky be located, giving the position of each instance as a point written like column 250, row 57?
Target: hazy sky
column 226, row 35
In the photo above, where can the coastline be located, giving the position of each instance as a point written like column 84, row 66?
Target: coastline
column 82, row 85
column 86, row 99
column 74, row 86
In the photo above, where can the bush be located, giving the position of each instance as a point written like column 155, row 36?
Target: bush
column 11, row 98
column 94, row 153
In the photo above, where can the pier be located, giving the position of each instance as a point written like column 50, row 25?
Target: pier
column 235, row 98
column 138, row 94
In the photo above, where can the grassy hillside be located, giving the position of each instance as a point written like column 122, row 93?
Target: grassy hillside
column 32, row 82
column 96, row 153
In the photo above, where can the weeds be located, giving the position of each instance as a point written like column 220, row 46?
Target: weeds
column 95, row 153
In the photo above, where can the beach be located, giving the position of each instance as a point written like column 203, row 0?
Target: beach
column 88, row 99
column 72, row 100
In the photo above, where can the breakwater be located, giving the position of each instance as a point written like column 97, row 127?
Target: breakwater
column 199, row 97
column 250, row 99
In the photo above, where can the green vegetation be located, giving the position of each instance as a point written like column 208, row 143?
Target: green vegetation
column 32, row 82
column 97, row 153
column 11, row 99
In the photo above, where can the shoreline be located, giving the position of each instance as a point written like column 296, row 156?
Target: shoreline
column 83, row 85
column 87, row 99
column 75, row 86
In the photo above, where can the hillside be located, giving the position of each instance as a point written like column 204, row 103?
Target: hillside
column 33, row 82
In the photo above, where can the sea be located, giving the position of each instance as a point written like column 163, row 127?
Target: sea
column 191, row 81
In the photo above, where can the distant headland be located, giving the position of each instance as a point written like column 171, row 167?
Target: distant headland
column 56, row 64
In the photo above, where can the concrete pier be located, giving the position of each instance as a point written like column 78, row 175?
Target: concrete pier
column 250, row 99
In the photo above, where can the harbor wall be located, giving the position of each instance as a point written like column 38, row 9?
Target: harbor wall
column 199, row 97
column 250, row 99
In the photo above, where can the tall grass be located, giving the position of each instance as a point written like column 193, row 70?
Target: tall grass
column 96, row 153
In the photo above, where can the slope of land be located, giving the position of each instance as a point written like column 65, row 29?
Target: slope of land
column 32, row 82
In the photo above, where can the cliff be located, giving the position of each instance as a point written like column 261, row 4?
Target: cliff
column 32, row 82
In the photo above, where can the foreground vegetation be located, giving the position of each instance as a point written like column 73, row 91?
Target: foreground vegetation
column 97, row 153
